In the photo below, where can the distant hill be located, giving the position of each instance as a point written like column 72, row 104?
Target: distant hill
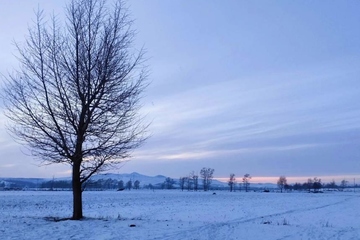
column 20, row 183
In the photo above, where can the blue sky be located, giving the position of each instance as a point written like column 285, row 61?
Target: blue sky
column 262, row 87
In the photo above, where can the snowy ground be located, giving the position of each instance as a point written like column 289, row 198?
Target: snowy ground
column 182, row 215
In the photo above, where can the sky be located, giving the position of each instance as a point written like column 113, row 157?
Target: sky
column 267, row 88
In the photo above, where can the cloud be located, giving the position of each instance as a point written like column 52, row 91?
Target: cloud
column 9, row 165
column 245, row 109
column 254, row 122
column 189, row 154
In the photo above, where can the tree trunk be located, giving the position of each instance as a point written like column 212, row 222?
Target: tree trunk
column 77, row 192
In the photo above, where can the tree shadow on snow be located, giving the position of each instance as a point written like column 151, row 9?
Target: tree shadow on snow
column 56, row 219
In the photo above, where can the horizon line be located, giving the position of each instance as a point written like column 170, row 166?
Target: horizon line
column 351, row 178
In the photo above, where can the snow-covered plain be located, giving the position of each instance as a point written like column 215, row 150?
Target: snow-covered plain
column 165, row 214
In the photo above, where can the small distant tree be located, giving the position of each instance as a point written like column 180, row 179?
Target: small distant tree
column 232, row 182
column 246, row 182
column 297, row 186
column 309, row 184
column 287, row 187
column 121, row 185
column 207, row 176
column 129, row 185
column 182, row 181
column 343, row 184
column 169, row 183
column 137, row 184
column 282, row 182
column 189, row 183
column 149, row 186
column 195, row 181
column 192, row 181
column 317, row 185
column 331, row 185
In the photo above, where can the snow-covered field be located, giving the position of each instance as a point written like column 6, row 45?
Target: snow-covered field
column 174, row 214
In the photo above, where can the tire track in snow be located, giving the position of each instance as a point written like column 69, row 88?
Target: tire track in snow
column 291, row 211
column 210, row 228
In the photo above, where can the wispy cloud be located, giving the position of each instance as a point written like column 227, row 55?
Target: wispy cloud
column 8, row 165
column 248, row 110
column 201, row 154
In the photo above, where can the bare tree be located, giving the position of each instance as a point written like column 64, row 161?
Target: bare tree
column 297, row 186
column 195, row 178
column 192, row 181
column 182, row 181
column 169, row 183
column 282, row 182
column 331, row 185
column 232, row 182
column 246, row 182
column 343, row 184
column 309, row 184
column 129, row 185
column 137, row 184
column 189, row 183
column 75, row 98
column 207, row 176
column 317, row 185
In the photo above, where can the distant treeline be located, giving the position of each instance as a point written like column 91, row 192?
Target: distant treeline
column 315, row 185
column 98, row 185
column 91, row 185
column 189, row 183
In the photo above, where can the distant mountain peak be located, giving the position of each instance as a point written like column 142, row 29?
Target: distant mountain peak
column 160, row 176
